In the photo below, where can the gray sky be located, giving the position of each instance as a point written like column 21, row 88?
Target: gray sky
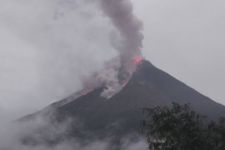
column 43, row 55
column 187, row 39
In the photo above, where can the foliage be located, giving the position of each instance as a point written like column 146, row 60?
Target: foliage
column 180, row 128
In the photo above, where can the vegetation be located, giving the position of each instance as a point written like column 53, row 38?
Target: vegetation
column 180, row 128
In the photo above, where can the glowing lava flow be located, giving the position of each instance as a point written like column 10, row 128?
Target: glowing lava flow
column 137, row 59
column 109, row 78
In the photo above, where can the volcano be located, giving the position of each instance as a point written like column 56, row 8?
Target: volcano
column 121, row 115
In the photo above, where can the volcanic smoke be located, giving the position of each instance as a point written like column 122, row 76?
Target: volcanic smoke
column 118, row 71
column 121, row 15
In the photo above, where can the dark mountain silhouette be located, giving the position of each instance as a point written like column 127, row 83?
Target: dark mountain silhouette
column 122, row 114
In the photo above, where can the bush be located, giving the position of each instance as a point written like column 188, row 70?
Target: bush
column 180, row 128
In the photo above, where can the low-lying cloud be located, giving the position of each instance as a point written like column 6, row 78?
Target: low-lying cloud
column 37, row 134
column 46, row 47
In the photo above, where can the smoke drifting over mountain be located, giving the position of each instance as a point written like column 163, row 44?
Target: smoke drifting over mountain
column 52, row 47
column 121, row 15
column 66, row 34
column 115, row 75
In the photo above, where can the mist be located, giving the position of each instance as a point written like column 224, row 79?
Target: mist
column 41, row 130
column 47, row 47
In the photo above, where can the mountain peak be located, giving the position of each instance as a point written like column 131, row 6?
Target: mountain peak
column 121, row 114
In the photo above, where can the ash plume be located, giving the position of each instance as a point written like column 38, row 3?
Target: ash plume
column 121, row 15
column 117, row 72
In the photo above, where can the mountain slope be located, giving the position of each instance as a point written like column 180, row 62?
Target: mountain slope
column 121, row 115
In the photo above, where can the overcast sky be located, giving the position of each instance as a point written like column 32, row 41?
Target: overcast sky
column 186, row 38
column 46, row 47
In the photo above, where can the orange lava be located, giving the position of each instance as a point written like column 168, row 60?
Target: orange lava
column 137, row 59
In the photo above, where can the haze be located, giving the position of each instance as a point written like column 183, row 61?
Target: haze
column 46, row 47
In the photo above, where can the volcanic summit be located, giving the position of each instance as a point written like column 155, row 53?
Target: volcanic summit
column 121, row 114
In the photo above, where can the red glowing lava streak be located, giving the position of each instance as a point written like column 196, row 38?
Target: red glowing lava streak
column 137, row 59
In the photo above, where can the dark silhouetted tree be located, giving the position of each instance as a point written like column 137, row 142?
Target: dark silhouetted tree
column 180, row 128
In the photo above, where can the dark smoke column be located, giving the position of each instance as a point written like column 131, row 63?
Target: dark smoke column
column 117, row 72
column 121, row 14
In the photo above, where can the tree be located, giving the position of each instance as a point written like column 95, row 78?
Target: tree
column 216, row 134
column 180, row 128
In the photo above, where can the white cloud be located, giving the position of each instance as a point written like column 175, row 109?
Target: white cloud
column 46, row 46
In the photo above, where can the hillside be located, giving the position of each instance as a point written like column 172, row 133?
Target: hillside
column 122, row 114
